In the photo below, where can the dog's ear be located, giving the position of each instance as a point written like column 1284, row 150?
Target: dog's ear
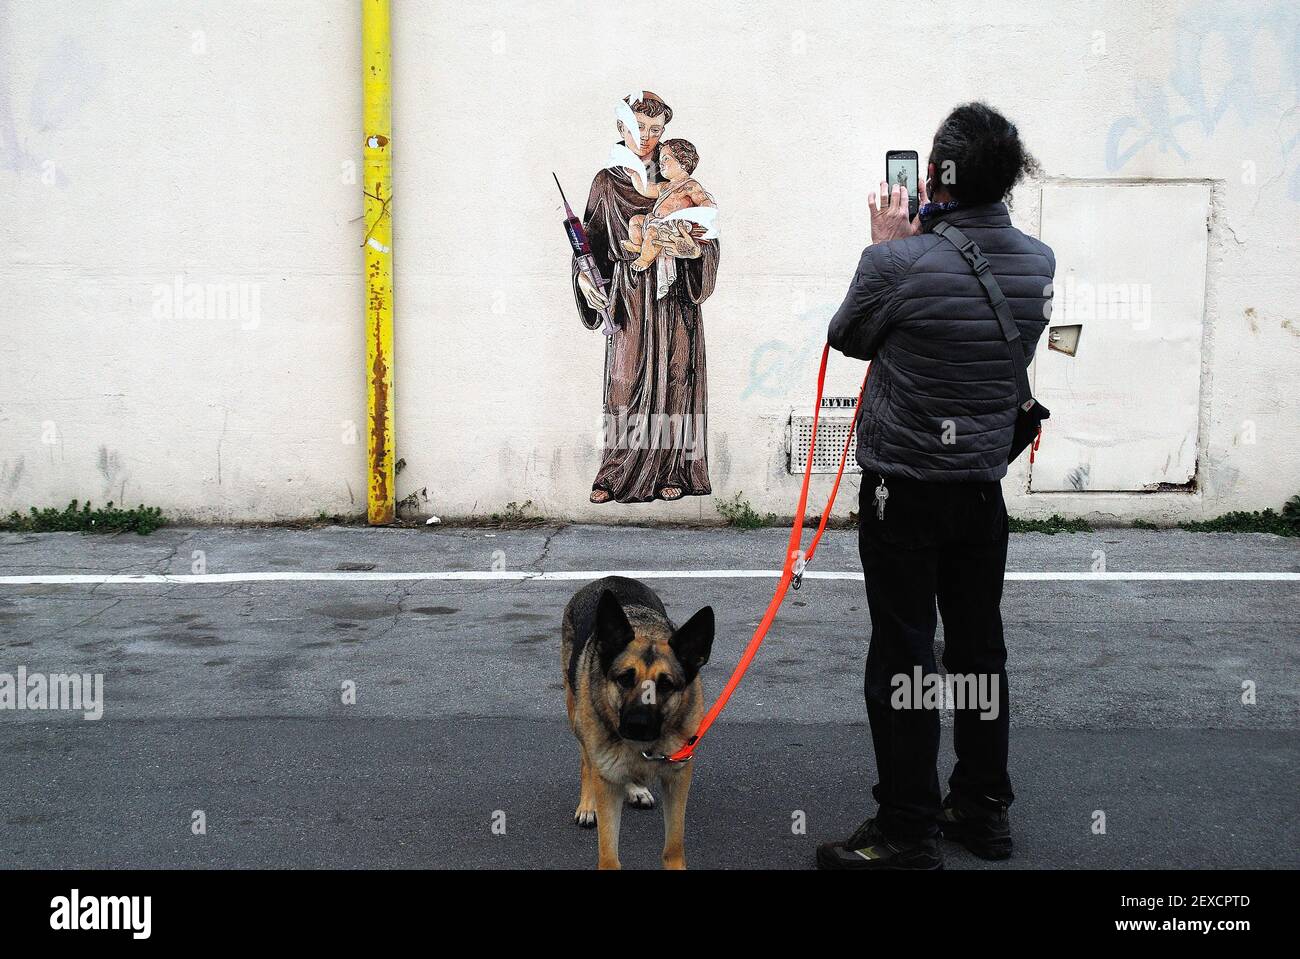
column 693, row 642
column 613, row 631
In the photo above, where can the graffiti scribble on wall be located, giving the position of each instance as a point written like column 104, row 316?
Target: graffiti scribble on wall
column 1192, row 101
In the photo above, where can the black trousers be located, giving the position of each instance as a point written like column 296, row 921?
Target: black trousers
column 943, row 543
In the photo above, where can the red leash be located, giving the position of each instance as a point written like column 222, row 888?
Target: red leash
column 791, row 572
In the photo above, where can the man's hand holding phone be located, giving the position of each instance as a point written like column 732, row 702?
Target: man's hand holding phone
column 889, row 213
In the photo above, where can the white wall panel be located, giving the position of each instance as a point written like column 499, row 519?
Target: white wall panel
column 1131, row 262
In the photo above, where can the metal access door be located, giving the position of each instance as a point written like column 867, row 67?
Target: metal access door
column 1131, row 271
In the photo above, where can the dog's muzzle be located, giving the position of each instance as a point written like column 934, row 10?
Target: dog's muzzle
column 640, row 725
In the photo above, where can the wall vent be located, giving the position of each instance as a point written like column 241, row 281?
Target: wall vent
column 832, row 431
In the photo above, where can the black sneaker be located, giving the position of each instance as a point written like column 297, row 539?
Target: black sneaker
column 868, row 848
column 985, row 832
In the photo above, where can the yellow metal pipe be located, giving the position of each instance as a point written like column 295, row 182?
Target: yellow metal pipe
column 378, row 186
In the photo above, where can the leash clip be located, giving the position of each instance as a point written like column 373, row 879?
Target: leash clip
column 800, row 564
column 661, row 758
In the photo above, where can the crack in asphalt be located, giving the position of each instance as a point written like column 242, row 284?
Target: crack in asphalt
column 540, row 562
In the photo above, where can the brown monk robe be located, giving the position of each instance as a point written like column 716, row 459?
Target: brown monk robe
column 656, row 396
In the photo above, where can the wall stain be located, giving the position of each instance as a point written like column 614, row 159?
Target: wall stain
column 1078, row 477
column 13, row 475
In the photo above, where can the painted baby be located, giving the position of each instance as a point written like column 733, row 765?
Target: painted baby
column 649, row 234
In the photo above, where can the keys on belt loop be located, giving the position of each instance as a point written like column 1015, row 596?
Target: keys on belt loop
column 882, row 494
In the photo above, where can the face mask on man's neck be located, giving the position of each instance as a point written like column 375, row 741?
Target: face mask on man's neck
column 933, row 208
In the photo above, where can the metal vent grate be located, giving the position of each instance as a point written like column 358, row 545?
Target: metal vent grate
column 832, row 431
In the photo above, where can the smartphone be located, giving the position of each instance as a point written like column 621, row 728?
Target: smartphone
column 902, row 168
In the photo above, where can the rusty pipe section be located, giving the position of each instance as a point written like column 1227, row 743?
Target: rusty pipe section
column 378, row 245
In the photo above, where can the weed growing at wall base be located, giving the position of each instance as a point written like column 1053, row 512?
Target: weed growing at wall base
column 1052, row 525
column 738, row 512
column 109, row 519
column 1286, row 523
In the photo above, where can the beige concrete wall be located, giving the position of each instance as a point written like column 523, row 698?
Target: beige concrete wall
column 145, row 142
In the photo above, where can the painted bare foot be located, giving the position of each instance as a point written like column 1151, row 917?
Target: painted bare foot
column 671, row 492
column 600, row 496
column 638, row 797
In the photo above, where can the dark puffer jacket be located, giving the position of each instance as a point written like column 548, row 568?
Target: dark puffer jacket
column 941, row 369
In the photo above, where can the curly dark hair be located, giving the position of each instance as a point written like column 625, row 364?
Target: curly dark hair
column 683, row 152
column 978, row 155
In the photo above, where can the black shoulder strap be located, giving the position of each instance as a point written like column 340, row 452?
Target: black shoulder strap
column 1015, row 346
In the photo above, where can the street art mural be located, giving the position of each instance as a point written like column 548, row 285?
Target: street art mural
column 651, row 232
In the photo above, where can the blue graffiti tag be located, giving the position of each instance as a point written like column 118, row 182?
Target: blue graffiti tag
column 1185, row 98
column 778, row 366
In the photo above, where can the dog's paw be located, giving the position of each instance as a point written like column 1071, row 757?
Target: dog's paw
column 585, row 817
column 638, row 797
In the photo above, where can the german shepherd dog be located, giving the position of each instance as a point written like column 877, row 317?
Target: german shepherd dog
column 632, row 687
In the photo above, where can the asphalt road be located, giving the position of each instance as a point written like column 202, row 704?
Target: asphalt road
column 225, row 698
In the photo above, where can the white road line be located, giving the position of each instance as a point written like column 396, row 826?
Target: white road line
column 362, row 576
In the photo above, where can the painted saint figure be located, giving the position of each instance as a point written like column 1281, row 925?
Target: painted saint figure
column 656, row 396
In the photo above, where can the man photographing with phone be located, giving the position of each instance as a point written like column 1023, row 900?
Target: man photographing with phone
column 949, row 306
